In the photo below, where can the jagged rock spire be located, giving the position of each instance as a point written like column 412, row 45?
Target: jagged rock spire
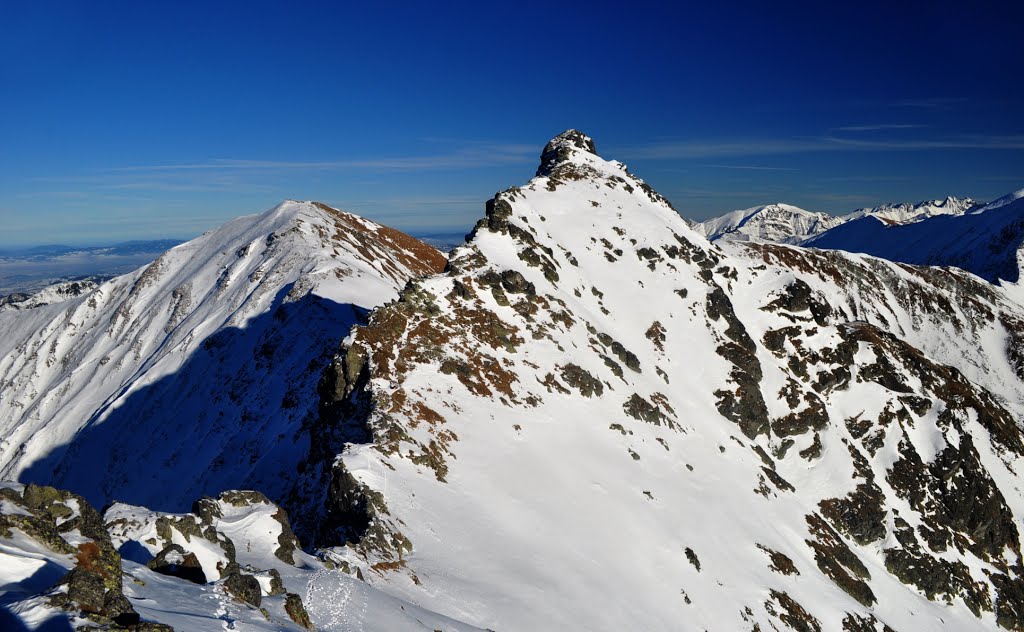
column 561, row 147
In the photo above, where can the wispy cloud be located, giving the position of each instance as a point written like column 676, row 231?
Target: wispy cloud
column 931, row 103
column 69, row 195
column 1019, row 178
column 749, row 167
column 414, row 201
column 958, row 142
column 719, row 149
column 271, row 178
column 477, row 155
column 827, row 143
column 110, row 184
column 884, row 127
column 707, row 194
column 185, row 187
column 866, row 178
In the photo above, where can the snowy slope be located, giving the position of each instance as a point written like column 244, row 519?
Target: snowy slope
column 985, row 241
column 596, row 419
column 1003, row 201
column 196, row 373
column 785, row 224
column 779, row 223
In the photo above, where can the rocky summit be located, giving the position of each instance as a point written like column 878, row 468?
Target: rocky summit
column 596, row 405
column 592, row 418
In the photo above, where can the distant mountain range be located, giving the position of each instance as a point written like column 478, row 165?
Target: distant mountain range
column 122, row 249
column 445, row 242
column 983, row 239
column 25, row 270
column 784, row 223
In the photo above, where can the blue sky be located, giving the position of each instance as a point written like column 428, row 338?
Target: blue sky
column 135, row 121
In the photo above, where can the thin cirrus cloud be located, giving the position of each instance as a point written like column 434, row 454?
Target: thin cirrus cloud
column 931, row 103
column 486, row 156
column 749, row 167
column 884, row 127
column 852, row 198
column 682, row 150
column 961, row 142
column 89, row 186
column 269, row 176
column 725, row 194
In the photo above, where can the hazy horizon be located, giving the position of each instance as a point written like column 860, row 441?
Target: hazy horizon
column 443, row 231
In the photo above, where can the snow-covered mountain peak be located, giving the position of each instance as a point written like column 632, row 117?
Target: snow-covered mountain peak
column 787, row 224
column 205, row 361
column 1003, row 201
column 778, row 223
column 665, row 430
column 905, row 213
column 572, row 157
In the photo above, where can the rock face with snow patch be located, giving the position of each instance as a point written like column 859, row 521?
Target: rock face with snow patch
column 232, row 563
column 65, row 528
column 56, row 293
column 196, row 373
column 597, row 412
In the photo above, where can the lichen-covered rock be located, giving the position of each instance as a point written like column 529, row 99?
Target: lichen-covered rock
column 276, row 583
column 297, row 610
column 244, row 588
column 86, row 589
column 51, row 517
column 287, row 542
column 578, row 378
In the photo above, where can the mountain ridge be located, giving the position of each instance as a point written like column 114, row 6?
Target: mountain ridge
column 594, row 410
column 218, row 331
column 569, row 368
column 785, row 223
column 985, row 240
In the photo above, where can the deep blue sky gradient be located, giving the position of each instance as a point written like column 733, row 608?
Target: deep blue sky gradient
column 146, row 120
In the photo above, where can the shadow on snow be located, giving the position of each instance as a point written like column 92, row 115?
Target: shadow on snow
column 235, row 415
